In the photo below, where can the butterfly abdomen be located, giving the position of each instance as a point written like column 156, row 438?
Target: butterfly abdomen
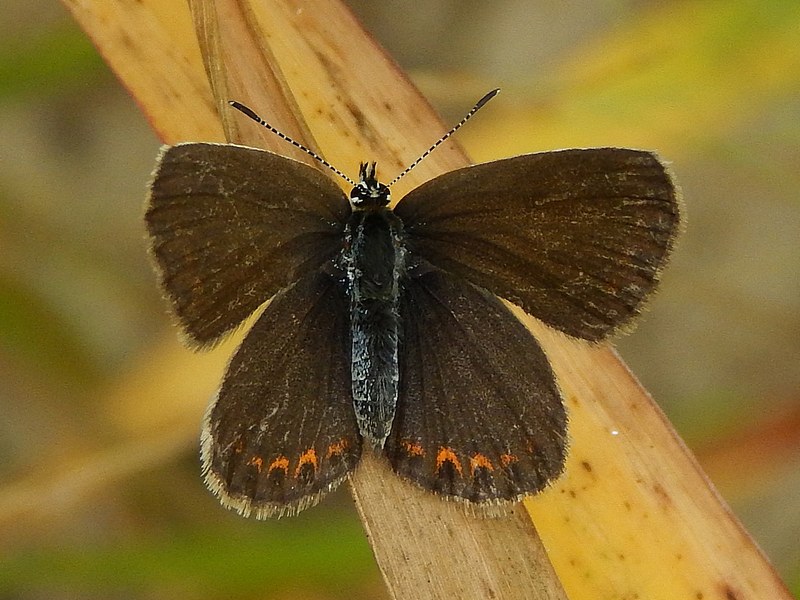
column 374, row 260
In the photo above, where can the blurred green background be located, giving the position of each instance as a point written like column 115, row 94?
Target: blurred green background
column 91, row 508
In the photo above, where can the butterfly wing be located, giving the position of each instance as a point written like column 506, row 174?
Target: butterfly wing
column 282, row 431
column 577, row 238
column 479, row 416
column 230, row 226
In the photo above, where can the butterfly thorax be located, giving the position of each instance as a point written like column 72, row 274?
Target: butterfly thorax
column 373, row 257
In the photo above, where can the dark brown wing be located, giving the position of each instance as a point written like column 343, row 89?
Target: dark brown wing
column 479, row 416
column 230, row 226
column 577, row 238
column 282, row 431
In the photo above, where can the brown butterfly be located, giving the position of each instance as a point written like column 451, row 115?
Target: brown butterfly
column 385, row 325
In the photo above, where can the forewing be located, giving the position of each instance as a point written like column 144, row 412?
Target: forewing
column 230, row 226
column 577, row 238
column 479, row 417
column 282, row 431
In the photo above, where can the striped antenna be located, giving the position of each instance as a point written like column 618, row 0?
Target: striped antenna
column 252, row 114
column 458, row 125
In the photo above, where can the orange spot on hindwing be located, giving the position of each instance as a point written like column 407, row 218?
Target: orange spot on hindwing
column 278, row 470
column 337, row 448
column 480, row 461
column 446, row 455
column 307, row 465
column 281, row 463
column 413, row 449
column 257, row 462
column 508, row 459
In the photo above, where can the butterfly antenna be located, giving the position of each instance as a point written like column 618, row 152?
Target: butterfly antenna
column 458, row 125
column 251, row 113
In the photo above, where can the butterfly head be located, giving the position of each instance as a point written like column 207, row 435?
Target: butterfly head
column 369, row 192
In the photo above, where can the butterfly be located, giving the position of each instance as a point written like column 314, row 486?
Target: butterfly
column 384, row 326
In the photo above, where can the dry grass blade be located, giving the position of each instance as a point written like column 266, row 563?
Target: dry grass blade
column 406, row 527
